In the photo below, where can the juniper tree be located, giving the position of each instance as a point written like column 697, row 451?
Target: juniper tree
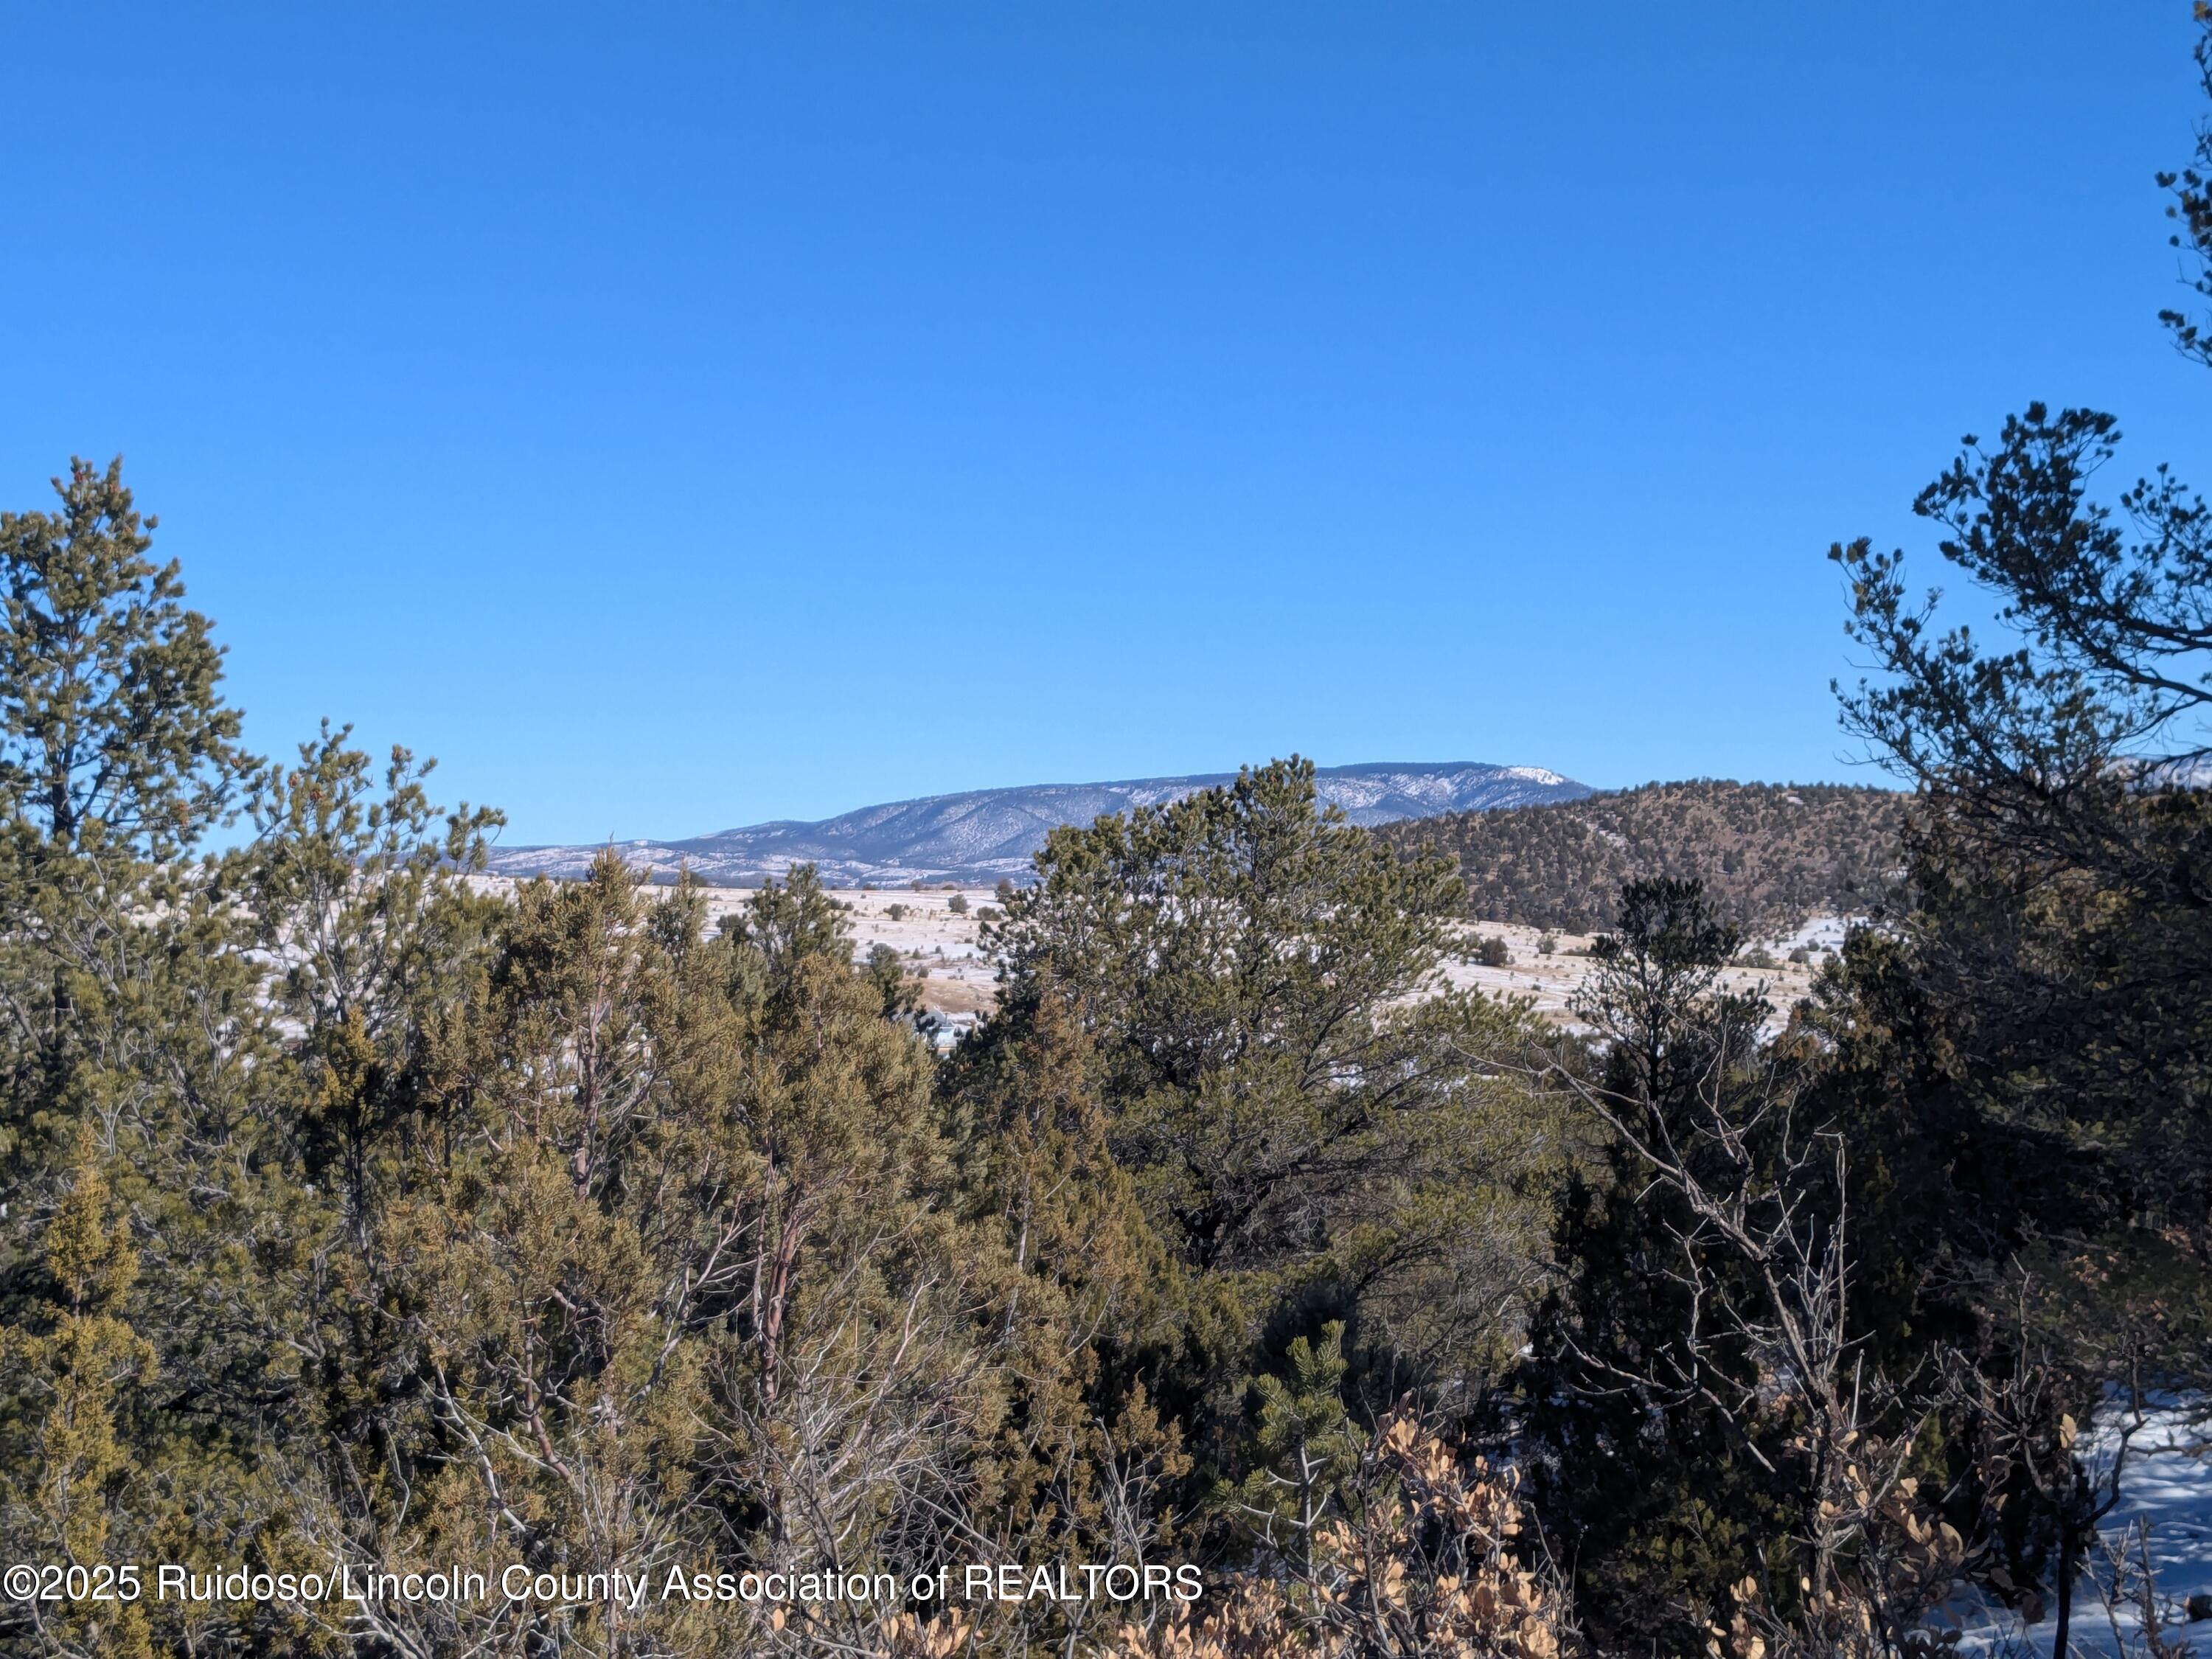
column 1085, row 1303
column 71, row 1490
column 1659, row 1494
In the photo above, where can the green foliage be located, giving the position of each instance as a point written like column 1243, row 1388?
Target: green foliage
column 2062, row 848
column 1316, row 1126
column 2026, row 1059
column 1090, row 1308
column 348, row 1212
column 1304, row 1447
column 112, row 732
column 68, row 1474
column 900, row 991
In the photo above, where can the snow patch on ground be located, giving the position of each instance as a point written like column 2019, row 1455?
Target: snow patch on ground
column 2165, row 1507
column 1820, row 933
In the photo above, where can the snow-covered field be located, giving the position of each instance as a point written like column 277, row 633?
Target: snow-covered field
column 1551, row 980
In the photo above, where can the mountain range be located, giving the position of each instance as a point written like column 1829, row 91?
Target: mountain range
column 981, row 836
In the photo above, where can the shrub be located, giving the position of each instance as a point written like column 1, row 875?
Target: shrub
column 957, row 904
column 1491, row 952
column 895, row 912
column 1422, row 1558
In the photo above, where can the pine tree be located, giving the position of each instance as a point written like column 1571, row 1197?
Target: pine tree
column 114, row 735
column 117, row 755
column 1305, row 1448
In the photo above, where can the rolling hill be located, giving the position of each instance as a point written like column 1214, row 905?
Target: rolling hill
column 1774, row 853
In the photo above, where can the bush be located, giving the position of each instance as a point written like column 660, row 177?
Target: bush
column 957, row 904
column 895, row 912
column 1546, row 944
column 1491, row 952
column 1423, row 1555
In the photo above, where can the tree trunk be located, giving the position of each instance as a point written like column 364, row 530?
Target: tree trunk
column 2059, row 1637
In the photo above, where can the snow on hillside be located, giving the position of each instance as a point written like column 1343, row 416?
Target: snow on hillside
column 983, row 835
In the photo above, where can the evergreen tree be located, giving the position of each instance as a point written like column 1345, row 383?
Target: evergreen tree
column 70, row 1488
column 2026, row 1054
column 1305, row 1448
column 1655, row 1486
column 113, row 736
column 1316, row 1125
column 1089, row 1308
column 117, row 755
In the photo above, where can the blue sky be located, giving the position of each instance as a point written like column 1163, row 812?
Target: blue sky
column 677, row 416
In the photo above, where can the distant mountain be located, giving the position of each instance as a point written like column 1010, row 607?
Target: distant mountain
column 1772, row 855
column 983, row 835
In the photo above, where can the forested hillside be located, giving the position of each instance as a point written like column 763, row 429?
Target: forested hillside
column 1770, row 854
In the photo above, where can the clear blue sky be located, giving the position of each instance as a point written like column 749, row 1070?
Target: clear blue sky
column 676, row 417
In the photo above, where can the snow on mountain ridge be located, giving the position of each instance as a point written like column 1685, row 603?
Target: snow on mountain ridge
column 979, row 836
